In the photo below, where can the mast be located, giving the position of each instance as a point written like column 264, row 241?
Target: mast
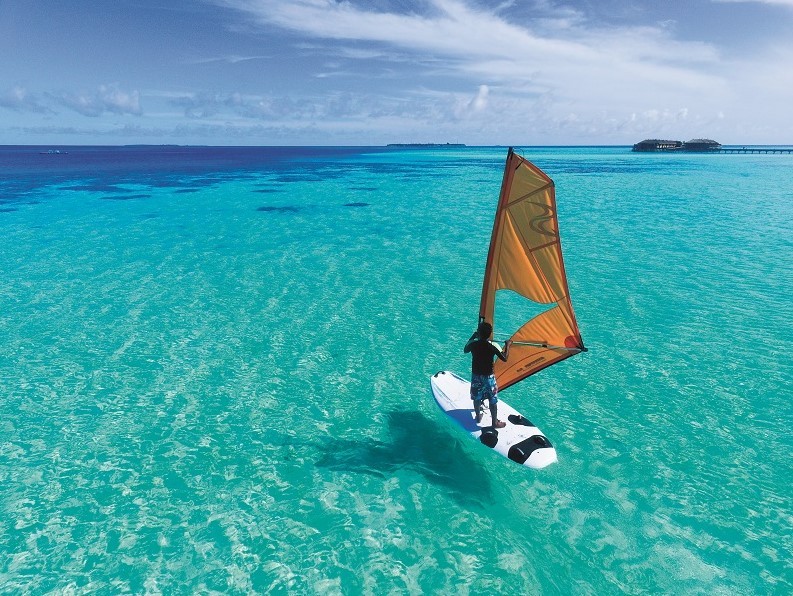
column 487, row 301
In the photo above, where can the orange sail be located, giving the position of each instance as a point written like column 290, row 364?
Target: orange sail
column 525, row 256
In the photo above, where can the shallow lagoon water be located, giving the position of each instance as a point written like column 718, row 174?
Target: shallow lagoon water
column 215, row 362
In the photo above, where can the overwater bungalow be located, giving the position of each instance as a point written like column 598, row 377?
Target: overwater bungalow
column 701, row 145
column 694, row 145
column 658, row 145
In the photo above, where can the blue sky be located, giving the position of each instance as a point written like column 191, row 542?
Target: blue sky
column 370, row 72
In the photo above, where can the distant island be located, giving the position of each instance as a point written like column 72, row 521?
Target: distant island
column 664, row 145
column 425, row 145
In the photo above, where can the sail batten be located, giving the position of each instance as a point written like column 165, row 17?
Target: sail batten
column 525, row 256
column 551, row 243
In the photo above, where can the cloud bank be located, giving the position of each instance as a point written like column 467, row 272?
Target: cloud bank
column 554, row 71
column 378, row 71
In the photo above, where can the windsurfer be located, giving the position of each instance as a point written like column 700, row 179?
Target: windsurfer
column 483, row 381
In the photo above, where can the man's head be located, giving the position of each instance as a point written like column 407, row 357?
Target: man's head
column 484, row 330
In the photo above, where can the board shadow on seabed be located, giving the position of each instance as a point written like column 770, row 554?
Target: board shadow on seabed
column 418, row 444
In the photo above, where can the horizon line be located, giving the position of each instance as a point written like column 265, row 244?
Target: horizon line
column 391, row 145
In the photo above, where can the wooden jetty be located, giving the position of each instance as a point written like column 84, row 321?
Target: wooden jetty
column 753, row 150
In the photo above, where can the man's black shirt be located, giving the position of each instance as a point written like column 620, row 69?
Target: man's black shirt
column 483, row 354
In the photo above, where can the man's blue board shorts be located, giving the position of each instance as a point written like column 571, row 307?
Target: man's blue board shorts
column 483, row 387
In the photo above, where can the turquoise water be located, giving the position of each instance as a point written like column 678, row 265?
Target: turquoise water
column 221, row 382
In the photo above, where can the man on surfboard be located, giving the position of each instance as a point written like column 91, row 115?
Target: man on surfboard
column 483, row 381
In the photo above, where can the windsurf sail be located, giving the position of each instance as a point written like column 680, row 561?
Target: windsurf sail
column 525, row 256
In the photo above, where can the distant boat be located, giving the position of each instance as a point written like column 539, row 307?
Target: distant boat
column 53, row 152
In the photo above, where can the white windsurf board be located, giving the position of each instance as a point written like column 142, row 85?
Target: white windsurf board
column 520, row 440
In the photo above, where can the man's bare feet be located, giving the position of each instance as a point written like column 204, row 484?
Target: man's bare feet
column 499, row 424
column 478, row 417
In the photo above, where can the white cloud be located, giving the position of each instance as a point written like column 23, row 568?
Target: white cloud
column 480, row 101
column 204, row 105
column 788, row 3
column 471, row 106
column 18, row 99
column 107, row 99
column 230, row 59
